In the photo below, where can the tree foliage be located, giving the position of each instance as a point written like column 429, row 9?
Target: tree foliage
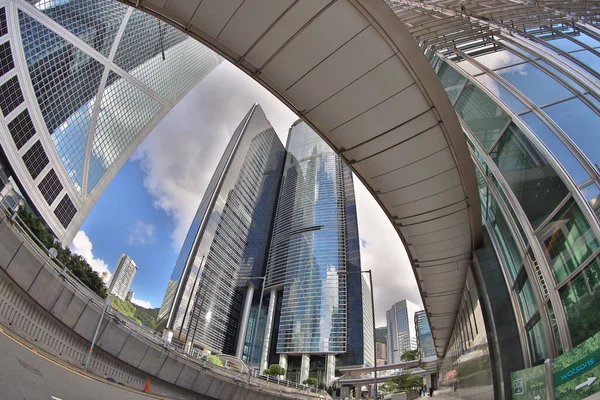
column 214, row 360
column 74, row 263
column 403, row 383
column 381, row 335
column 274, row 370
column 311, row 382
column 145, row 316
column 410, row 355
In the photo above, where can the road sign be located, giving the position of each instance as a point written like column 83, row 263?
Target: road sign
column 575, row 374
column 529, row 384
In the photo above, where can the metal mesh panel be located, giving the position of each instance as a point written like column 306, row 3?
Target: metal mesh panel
column 96, row 22
column 65, row 211
column 65, row 80
column 152, row 51
column 50, row 186
column 35, row 159
column 198, row 62
column 10, row 96
column 6, row 60
column 21, row 128
column 124, row 111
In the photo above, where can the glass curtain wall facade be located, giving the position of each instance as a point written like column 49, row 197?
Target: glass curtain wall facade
column 524, row 83
column 401, row 331
column 83, row 82
column 425, row 344
column 315, row 236
column 228, row 240
column 122, row 277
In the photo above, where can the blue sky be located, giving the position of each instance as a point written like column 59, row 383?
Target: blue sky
column 146, row 210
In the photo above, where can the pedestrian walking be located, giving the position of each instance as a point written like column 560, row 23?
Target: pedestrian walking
column 431, row 391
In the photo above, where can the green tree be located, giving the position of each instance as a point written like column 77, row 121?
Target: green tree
column 125, row 308
column 74, row 263
column 311, row 381
column 147, row 316
column 405, row 382
column 381, row 335
column 410, row 355
column 274, row 370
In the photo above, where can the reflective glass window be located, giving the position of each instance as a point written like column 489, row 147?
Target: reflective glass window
column 562, row 43
column 485, row 118
column 451, row 80
column 502, row 93
column 483, row 193
column 508, row 247
column 594, row 100
column 554, row 327
column 568, row 240
column 527, row 300
column 537, row 344
column 589, row 59
column 499, row 59
column 561, row 75
column 534, row 83
column 533, row 181
column 568, row 161
column 469, row 68
column 580, row 123
column 592, row 195
column 586, row 39
column 581, row 298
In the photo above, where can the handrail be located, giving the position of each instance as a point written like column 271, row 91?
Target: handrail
column 136, row 328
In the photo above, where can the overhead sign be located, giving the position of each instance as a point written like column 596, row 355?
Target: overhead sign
column 576, row 373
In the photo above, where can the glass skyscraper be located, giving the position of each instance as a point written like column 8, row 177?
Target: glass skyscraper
column 121, row 280
column 523, row 79
column 425, row 344
column 211, row 289
column 82, row 83
column 315, row 308
column 401, row 331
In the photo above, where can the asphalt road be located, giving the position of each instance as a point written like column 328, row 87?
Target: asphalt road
column 25, row 375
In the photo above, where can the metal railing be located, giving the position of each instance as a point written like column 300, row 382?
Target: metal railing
column 259, row 381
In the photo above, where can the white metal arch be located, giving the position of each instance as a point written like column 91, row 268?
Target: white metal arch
column 353, row 72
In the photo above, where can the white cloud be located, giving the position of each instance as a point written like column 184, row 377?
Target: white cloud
column 383, row 252
column 141, row 233
column 141, row 303
column 182, row 152
column 82, row 245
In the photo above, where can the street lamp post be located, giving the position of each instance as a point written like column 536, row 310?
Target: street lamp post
column 373, row 318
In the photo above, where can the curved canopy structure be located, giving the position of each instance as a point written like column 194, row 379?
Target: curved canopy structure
column 353, row 72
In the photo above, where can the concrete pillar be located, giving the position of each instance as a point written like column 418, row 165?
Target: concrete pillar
column 304, row 367
column 329, row 368
column 188, row 346
column 167, row 337
column 268, row 330
column 239, row 349
column 283, row 363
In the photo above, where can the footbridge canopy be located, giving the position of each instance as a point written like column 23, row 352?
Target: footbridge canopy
column 353, row 72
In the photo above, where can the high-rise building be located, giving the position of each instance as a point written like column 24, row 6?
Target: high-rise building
column 211, row 291
column 315, row 307
column 82, row 83
column 122, row 278
column 523, row 79
column 381, row 353
column 129, row 295
column 401, row 331
column 425, row 345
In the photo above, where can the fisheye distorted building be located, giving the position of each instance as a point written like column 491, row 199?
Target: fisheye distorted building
column 122, row 277
column 401, row 331
column 82, row 83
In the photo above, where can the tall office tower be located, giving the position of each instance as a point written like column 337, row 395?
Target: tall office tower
column 314, row 312
column 523, row 79
column 82, row 83
column 401, row 331
column 381, row 353
column 369, row 350
column 129, row 295
column 211, row 291
column 122, row 278
column 425, row 344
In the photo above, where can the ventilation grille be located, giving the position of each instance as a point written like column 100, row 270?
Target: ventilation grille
column 540, row 278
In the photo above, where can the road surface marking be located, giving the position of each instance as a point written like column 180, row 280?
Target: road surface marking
column 44, row 357
column 55, row 398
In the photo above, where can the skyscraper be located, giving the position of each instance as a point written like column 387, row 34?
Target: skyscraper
column 211, row 290
column 401, row 331
column 82, row 83
column 425, row 344
column 122, row 278
column 315, row 309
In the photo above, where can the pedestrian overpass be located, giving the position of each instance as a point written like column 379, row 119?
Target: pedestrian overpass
column 352, row 71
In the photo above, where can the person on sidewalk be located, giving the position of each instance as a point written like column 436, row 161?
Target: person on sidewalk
column 431, row 391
